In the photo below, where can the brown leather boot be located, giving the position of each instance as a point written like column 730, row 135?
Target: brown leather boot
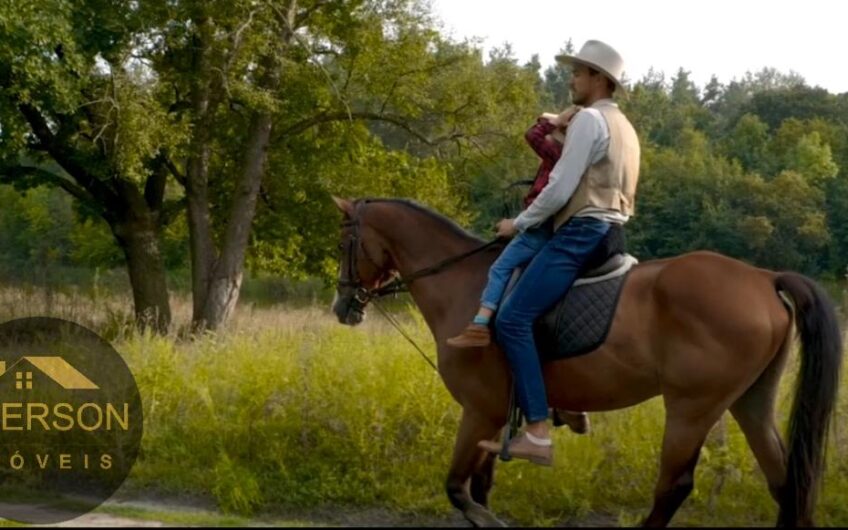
column 522, row 447
column 473, row 336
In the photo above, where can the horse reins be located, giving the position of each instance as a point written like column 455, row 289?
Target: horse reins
column 398, row 283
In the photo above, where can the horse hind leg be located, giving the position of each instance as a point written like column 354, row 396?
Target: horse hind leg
column 681, row 448
column 754, row 412
column 468, row 461
column 767, row 446
column 687, row 428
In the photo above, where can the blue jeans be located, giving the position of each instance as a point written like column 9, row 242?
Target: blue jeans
column 544, row 282
column 520, row 250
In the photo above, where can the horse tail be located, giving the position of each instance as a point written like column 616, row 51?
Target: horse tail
column 815, row 395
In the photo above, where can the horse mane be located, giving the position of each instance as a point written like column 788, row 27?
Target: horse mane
column 441, row 219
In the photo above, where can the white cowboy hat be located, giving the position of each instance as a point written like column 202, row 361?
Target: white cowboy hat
column 600, row 56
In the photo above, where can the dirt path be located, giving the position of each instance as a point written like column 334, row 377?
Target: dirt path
column 159, row 513
column 150, row 511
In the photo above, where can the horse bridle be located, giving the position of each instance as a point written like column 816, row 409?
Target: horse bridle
column 362, row 294
column 398, row 284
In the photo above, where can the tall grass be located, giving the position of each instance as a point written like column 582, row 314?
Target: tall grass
column 288, row 409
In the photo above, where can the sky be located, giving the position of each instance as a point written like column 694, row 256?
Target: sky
column 721, row 37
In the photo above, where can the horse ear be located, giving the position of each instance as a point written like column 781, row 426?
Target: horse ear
column 344, row 205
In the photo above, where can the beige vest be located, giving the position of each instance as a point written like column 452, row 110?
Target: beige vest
column 611, row 183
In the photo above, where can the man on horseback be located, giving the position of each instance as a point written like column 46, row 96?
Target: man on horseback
column 545, row 137
column 592, row 186
column 717, row 344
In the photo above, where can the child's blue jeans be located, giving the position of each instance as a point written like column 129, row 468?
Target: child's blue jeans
column 519, row 252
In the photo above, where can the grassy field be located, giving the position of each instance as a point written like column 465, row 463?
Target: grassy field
column 288, row 411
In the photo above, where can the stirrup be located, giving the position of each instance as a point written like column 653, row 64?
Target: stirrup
column 511, row 428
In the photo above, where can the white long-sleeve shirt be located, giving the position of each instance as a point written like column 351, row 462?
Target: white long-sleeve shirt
column 586, row 143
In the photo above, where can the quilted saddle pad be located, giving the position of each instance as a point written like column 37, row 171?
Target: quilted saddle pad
column 580, row 322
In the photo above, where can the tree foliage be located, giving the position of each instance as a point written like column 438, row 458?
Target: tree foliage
column 222, row 128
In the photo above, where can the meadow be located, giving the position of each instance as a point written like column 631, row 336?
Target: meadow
column 287, row 410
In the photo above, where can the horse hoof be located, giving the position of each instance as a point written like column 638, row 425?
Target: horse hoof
column 481, row 517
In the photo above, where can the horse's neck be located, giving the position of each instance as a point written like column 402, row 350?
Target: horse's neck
column 428, row 249
column 443, row 296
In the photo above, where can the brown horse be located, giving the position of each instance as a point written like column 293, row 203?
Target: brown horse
column 707, row 332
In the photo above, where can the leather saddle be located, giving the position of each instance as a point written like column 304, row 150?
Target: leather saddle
column 580, row 321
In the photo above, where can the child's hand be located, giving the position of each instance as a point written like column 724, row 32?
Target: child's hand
column 565, row 117
column 550, row 117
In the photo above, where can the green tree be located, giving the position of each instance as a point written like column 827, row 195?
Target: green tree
column 649, row 108
column 261, row 83
column 457, row 137
column 144, row 110
column 784, row 101
column 77, row 116
column 557, row 78
column 748, row 143
column 683, row 91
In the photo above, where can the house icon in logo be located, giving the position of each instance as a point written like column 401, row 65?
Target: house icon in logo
column 56, row 368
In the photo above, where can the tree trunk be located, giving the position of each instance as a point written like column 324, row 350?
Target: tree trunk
column 205, row 96
column 133, row 214
column 203, row 254
column 217, row 275
column 138, row 237
column 221, row 299
column 223, row 291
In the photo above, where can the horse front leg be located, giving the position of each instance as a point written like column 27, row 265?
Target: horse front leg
column 482, row 480
column 468, row 460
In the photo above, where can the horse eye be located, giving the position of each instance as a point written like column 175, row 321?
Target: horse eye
column 341, row 246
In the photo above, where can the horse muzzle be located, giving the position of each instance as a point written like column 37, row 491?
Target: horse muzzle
column 349, row 309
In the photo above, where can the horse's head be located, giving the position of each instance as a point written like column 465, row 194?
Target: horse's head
column 364, row 263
